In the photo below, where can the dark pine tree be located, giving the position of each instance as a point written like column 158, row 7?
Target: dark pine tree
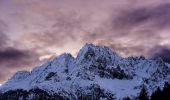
column 157, row 94
column 166, row 91
column 143, row 94
column 162, row 95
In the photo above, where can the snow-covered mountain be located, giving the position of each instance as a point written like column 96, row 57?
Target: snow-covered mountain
column 96, row 73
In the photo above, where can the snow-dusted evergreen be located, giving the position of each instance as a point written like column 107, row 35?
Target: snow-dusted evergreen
column 96, row 73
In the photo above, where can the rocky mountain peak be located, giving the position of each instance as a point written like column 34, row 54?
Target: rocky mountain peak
column 93, row 52
column 96, row 69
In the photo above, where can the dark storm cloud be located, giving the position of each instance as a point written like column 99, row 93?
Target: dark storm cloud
column 156, row 16
column 161, row 52
column 137, row 29
column 11, row 57
column 11, row 53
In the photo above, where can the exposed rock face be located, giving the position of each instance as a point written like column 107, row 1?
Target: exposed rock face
column 96, row 73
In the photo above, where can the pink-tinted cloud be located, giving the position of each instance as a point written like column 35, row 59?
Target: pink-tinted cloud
column 11, row 57
column 35, row 29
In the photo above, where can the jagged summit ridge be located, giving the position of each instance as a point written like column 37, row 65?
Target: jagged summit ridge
column 94, row 67
column 92, row 50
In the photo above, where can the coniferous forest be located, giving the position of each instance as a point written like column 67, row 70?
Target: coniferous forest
column 159, row 94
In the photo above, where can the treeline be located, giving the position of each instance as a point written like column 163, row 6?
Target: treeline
column 162, row 94
column 33, row 94
column 159, row 94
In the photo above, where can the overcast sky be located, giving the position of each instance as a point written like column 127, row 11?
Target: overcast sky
column 33, row 30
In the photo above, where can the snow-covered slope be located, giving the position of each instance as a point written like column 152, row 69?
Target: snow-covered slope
column 95, row 67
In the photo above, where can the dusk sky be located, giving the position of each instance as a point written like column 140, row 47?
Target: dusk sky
column 31, row 31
